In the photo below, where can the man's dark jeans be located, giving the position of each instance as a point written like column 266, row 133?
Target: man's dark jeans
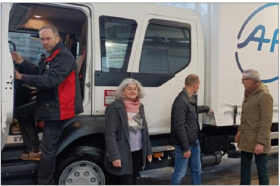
column 27, row 126
column 261, row 162
column 49, row 147
column 49, row 144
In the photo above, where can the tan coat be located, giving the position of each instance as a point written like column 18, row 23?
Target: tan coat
column 256, row 120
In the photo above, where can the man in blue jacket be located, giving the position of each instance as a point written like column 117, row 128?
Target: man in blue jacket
column 185, row 132
column 58, row 100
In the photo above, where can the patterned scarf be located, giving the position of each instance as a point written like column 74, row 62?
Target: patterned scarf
column 248, row 91
column 135, row 121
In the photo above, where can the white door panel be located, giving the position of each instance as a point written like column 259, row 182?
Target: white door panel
column 158, row 100
column 7, row 73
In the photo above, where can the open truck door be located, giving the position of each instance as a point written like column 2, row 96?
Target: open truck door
column 7, row 76
column 20, row 28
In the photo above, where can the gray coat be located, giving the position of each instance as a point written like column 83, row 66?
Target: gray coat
column 117, row 139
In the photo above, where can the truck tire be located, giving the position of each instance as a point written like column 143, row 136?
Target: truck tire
column 81, row 166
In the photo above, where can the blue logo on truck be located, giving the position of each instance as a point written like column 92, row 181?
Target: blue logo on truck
column 260, row 40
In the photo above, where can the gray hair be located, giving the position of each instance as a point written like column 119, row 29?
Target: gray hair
column 252, row 74
column 50, row 27
column 127, row 82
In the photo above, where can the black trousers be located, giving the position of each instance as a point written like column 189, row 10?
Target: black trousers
column 29, row 132
column 22, row 95
column 261, row 162
column 48, row 148
column 137, row 164
column 49, row 144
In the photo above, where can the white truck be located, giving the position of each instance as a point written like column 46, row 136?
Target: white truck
column 158, row 45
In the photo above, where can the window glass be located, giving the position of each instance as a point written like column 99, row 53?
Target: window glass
column 117, row 36
column 166, row 49
column 29, row 47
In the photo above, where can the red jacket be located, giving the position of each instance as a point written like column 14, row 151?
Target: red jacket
column 58, row 87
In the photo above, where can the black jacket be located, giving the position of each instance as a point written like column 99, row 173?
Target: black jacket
column 184, row 120
column 58, row 87
column 117, row 139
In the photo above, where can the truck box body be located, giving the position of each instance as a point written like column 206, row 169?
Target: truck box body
column 243, row 36
column 226, row 26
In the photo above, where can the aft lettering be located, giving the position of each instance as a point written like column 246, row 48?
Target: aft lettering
column 260, row 39
column 274, row 40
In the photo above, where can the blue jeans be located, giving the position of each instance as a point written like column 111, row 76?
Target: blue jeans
column 181, row 165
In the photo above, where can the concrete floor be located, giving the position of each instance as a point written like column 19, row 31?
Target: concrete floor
column 227, row 173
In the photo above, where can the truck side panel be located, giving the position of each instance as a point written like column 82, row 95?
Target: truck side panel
column 240, row 41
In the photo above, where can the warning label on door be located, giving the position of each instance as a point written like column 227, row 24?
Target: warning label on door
column 109, row 97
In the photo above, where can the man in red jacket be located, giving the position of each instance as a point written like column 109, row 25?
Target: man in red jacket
column 58, row 99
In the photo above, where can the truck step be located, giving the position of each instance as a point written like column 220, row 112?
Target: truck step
column 11, row 167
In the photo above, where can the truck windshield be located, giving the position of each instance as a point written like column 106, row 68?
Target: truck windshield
column 27, row 46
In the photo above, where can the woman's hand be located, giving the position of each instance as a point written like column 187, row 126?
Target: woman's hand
column 149, row 157
column 117, row 163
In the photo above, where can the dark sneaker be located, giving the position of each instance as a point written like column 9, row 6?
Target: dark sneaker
column 36, row 156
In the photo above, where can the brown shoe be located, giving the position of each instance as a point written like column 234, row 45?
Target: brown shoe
column 31, row 156
column 15, row 128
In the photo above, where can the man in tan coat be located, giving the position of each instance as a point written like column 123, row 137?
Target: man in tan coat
column 253, row 136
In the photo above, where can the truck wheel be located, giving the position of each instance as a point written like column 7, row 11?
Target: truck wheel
column 81, row 166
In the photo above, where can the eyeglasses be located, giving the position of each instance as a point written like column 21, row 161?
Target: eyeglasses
column 244, row 79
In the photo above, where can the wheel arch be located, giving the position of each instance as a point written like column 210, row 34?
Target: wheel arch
column 82, row 130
